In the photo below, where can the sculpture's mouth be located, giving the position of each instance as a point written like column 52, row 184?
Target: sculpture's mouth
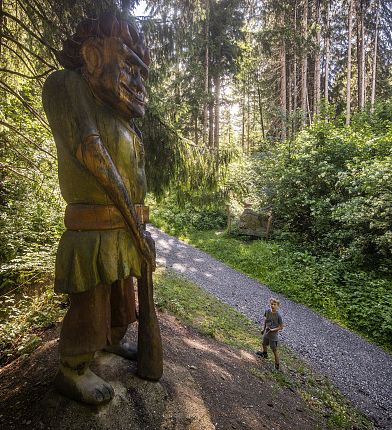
column 137, row 96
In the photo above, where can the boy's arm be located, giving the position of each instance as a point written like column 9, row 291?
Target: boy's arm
column 280, row 325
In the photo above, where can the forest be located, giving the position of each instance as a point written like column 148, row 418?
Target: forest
column 283, row 105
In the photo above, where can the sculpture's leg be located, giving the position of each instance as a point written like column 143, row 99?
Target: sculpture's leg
column 75, row 380
column 85, row 329
column 122, row 303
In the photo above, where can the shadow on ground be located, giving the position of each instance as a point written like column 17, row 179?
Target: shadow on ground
column 206, row 385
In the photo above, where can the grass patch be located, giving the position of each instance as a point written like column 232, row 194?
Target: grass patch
column 355, row 299
column 208, row 315
column 199, row 309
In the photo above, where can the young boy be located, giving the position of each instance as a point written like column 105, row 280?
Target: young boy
column 272, row 325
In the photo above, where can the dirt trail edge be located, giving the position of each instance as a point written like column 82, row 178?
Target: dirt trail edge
column 361, row 370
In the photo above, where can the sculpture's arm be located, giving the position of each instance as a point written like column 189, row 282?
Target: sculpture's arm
column 95, row 157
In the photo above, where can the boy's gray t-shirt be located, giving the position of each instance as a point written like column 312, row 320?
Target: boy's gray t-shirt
column 272, row 320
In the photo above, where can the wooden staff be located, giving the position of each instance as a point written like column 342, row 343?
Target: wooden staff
column 150, row 361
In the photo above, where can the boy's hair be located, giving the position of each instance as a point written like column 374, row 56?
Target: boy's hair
column 273, row 299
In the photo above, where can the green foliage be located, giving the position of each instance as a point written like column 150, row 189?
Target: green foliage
column 356, row 299
column 175, row 163
column 177, row 218
column 24, row 319
column 30, row 203
column 365, row 217
column 330, row 188
column 30, row 223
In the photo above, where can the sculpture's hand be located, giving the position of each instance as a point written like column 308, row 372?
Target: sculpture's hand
column 148, row 248
column 151, row 243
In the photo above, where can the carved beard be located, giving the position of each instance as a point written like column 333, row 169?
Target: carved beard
column 115, row 78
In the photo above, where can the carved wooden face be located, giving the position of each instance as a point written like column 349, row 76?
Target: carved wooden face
column 116, row 75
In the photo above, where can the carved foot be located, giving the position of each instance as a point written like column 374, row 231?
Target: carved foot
column 87, row 387
column 125, row 350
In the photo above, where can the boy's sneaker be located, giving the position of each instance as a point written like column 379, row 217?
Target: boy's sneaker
column 262, row 354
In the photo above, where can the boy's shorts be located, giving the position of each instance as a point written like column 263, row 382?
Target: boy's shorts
column 272, row 343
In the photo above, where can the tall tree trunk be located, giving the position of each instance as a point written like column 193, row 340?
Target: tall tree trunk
column 217, row 84
column 295, row 85
column 229, row 128
column 206, row 73
column 289, row 90
column 374, row 72
column 1, row 23
column 361, row 54
column 243, row 119
column 309, row 112
column 295, row 89
column 283, row 88
column 348, row 96
column 196, row 131
column 210, row 118
column 304, row 66
column 261, row 111
column 316, row 95
column 248, row 117
column 125, row 5
column 327, row 53
column 358, row 36
column 289, row 103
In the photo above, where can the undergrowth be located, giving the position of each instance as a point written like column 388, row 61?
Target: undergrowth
column 25, row 314
column 209, row 316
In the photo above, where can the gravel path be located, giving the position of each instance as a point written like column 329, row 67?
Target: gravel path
column 362, row 371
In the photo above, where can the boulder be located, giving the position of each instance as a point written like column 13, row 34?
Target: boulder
column 252, row 223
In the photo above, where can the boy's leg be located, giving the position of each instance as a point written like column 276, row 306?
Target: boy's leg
column 264, row 353
column 85, row 329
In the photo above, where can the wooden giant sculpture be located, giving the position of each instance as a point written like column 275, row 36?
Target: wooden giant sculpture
column 90, row 107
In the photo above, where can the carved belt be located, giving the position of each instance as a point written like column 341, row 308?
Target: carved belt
column 99, row 217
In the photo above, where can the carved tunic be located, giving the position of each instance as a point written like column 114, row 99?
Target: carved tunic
column 88, row 258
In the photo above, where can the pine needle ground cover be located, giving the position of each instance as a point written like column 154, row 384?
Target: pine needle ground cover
column 201, row 310
column 357, row 299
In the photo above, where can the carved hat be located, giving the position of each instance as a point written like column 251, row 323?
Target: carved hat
column 107, row 25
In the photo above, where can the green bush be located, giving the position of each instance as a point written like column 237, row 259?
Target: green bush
column 31, row 224
column 331, row 188
column 366, row 216
column 172, row 217
column 25, row 317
